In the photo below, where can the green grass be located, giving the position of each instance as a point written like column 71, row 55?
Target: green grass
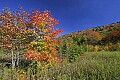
column 93, row 66
column 90, row 66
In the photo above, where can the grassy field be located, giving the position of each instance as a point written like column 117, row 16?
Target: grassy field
column 90, row 66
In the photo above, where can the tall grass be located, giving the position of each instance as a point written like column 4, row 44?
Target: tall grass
column 90, row 66
column 94, row 66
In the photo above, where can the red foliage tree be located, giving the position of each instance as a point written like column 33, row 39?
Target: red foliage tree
column 113, row 36
column 12, row 32
column 43, row 49
column 33, row 32
column 93, row 36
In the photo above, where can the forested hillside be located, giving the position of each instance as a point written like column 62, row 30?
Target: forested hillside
column 94, row 36
column 100, row 38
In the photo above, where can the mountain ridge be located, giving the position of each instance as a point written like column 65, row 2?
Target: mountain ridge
column 115, row 24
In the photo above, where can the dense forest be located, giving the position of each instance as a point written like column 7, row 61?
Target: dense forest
column 100, row 38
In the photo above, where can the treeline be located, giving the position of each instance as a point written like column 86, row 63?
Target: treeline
column 104, row 38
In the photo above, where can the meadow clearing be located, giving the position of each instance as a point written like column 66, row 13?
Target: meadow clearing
column 103, row 65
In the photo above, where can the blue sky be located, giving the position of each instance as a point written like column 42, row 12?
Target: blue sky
column 73, row 15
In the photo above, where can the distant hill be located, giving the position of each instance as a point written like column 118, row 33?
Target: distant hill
column 99, row 33
column 101, row 29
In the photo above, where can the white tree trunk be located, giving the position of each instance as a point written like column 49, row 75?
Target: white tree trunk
column 18, row 58
column 13, row 61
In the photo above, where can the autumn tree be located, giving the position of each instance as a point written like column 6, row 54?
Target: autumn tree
column 12, row 29
column 33, row 33
column 92, row 36
column 113, row 36
column 42, row 49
